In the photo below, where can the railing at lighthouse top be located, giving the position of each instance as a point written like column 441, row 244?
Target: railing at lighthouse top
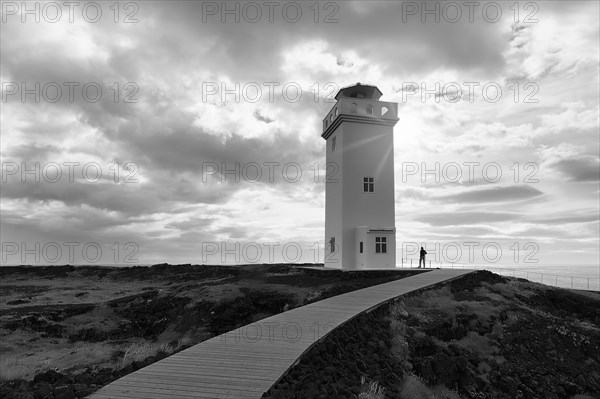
column 361, row 106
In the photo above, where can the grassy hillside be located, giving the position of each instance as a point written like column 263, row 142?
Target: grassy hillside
column 480, row 336
column 65, row 331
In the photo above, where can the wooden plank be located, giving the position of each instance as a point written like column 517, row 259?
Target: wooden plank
column 243, row 364
column 204, row 380
column 228, row 364
column 141, row 392
column 191, row 385
column 240, row 349
column 214, row 386
column 195, row 372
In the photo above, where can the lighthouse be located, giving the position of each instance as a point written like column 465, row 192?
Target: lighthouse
column 360, row 230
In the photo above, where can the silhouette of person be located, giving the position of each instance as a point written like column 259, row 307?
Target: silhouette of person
column 422, row 254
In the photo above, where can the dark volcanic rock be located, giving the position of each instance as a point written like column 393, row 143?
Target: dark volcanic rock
column 333, row 367
column 49, row 376
column 64, row 392
column 42, row 389
column 18, row 302
column 564, row 303
column 36, row 323
column 474, row 280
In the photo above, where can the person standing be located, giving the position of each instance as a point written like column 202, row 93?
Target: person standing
column 422, row 254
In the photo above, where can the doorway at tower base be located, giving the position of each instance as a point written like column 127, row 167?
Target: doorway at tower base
column 374, row 247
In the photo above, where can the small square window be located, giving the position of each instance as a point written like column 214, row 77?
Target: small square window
column 381, row 245
column 368, row 184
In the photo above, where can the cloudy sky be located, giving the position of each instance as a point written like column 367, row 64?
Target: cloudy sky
column 206, row 133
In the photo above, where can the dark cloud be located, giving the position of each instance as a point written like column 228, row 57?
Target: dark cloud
column 477, row 45
column 31, row 152
column 467, row 218
column 82, row 78
column 190, row 224
column 538, row 232
column 466, row 231
column 493, row 194
column 235, row 232
column 262, row 118
column 129, row 200
column 580, row 169
column 579, row 218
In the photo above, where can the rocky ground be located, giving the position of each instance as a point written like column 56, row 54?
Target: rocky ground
column 480, row 336
column 66, row 331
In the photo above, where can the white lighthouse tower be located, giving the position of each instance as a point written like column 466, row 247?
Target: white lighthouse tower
column 360, row 230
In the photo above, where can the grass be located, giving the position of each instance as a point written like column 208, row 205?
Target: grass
column 370, row 389
column 12, row 367
column 39, row 331
column 26, row 366
column 398, row 327
column 480, row 344
column 414, row 388
column 426, row 307
column 141, row 350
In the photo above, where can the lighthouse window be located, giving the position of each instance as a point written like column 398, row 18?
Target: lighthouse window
column 370, row 110
column 368, row 184
column 332, row 241
column 333, row 142
column 380, row 245
column 361, row 247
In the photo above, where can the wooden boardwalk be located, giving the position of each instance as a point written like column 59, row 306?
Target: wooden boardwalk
column 246, row 362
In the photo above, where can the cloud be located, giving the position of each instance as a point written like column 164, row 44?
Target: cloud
column 493, row 194
column 574, row 117
column 538, row 233
column 262, row 117
column 172, row 133
column 581, row 218
column 128, row 199
column 470, row 231
column 581, row 169
column 574, row 162
column 190, row 223
column 467, row 218
column 551, row 47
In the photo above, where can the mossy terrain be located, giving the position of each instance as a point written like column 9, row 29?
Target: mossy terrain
column 480, row 336
column 65, row 331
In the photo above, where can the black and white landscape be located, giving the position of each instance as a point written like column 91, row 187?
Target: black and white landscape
column 173, row 170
